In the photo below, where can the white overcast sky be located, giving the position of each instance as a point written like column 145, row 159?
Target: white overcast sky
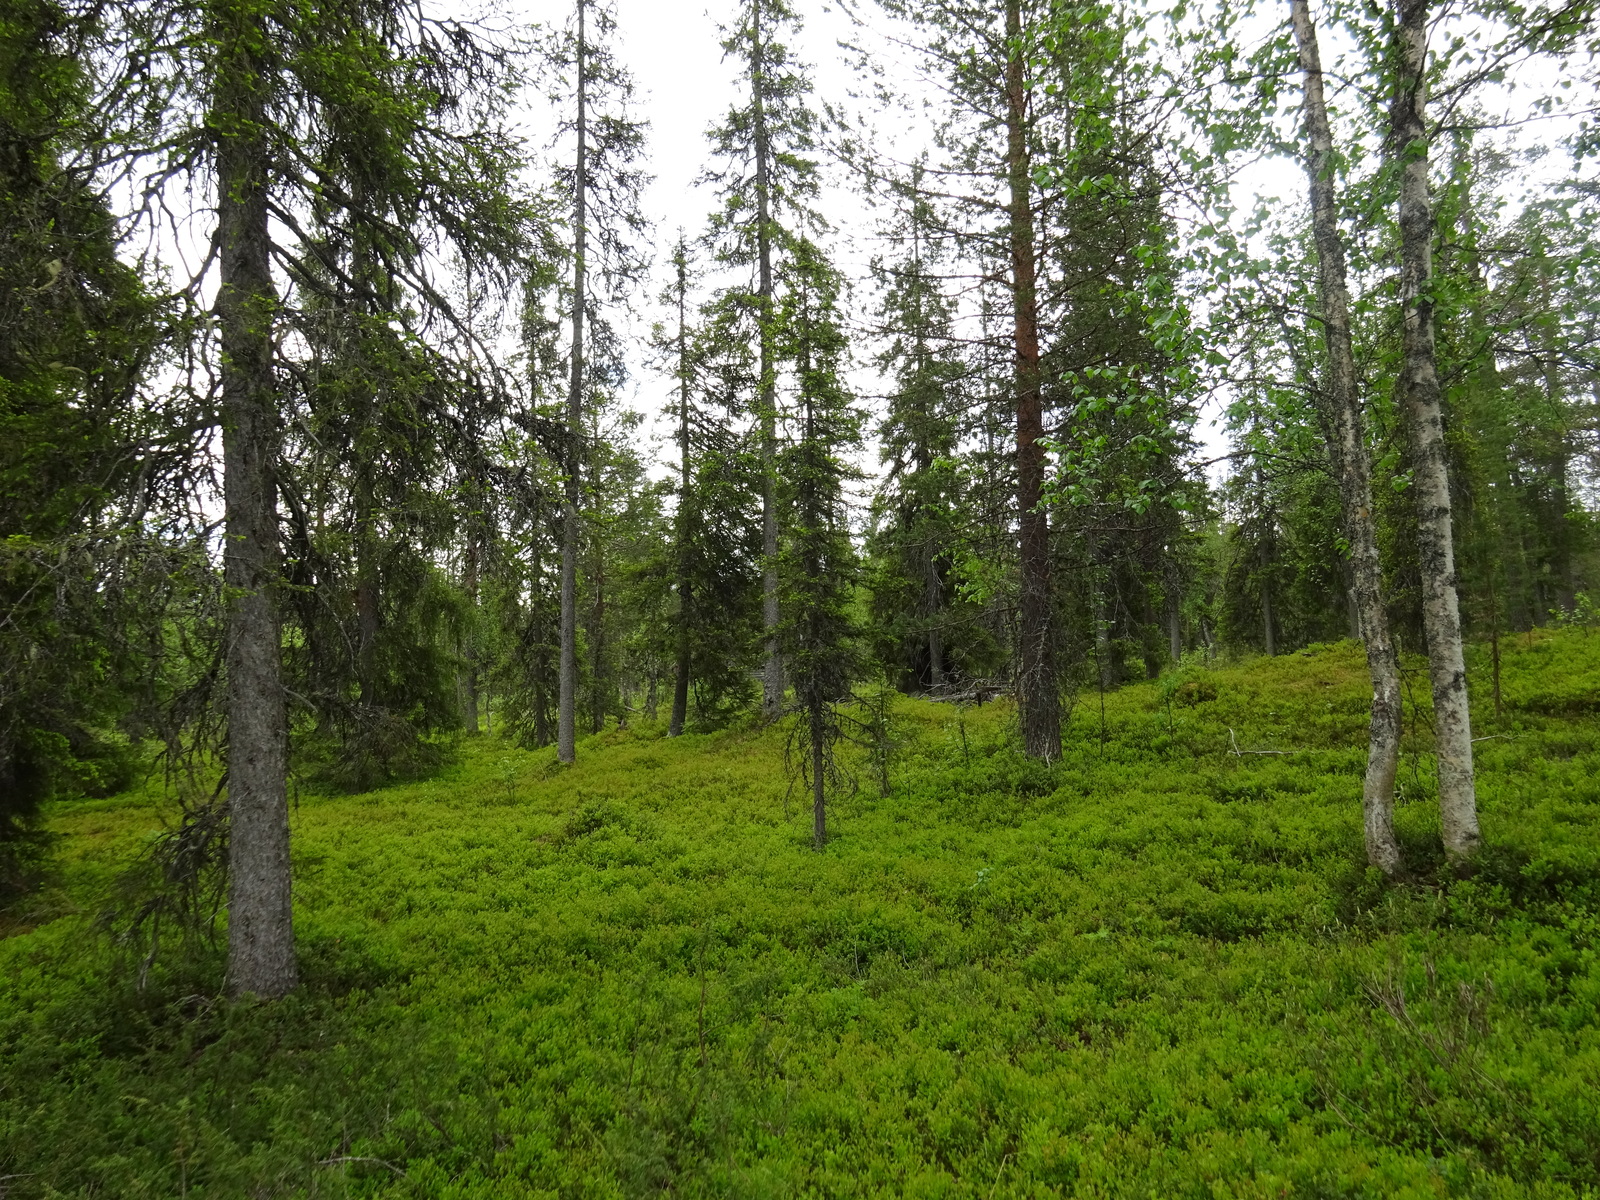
column 684, row 86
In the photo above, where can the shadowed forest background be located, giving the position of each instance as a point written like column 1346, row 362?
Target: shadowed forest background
column 1083, row 682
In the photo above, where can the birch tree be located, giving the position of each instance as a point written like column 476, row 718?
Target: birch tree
column 1348, row 453
column 1407, row 151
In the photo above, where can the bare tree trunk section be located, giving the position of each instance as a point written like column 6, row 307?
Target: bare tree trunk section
column 772, row 674
column 598, row 683
column 566, row 708
column 1039, row 700
column 261, row 958
column 1421, row 400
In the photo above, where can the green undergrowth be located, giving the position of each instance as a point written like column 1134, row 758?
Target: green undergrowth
column 1155, row 969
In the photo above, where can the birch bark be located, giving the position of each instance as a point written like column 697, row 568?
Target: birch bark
column 1421, row 400
column 1352, row 468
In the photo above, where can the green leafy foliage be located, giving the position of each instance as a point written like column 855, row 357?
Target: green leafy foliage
column 1157, row 967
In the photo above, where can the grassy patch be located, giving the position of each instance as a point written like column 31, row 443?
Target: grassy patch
column 1157, row 968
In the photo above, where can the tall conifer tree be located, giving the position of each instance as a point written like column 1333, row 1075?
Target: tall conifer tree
column 817, row 559
column 767, row 182
column 243, row 92
column 603, row 187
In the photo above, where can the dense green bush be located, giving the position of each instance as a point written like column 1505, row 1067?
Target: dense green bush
column 1157, row 968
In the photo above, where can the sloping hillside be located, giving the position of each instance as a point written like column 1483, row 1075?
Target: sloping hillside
column 1155, row 969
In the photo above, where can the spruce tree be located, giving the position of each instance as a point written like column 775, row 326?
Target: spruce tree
column 683, row 646
column 243, row 96
column 102, row 574
column 602, row 186
column 995, row 148
column 817, row 560
column 766, row 181
column 920, row 500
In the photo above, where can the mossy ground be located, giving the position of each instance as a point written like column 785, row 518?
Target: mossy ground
column 1156, row 969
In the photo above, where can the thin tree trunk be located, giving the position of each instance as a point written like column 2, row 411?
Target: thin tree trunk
column 567, row 714
column 680, row 683
column 1420, row 395
column 261, row 958
column 1039, row 698
column 597, row 673
column 1100, row 603
column 772, row 675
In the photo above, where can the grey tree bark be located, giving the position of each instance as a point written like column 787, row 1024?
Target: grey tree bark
column 566, row 708
column 1039, row 699
column 1407, row 149
column 819, row 778
column 261, row 958
column 772, row 674
column 1351, row 464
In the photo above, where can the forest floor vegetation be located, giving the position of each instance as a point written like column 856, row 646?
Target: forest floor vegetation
column 1156, row 968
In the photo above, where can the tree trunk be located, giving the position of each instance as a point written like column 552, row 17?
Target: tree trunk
column 1039, row 700
column 567, row 713
column 261, row 958
column 597, row 672
column 1420, row 397
column 772, row 675
column 680, row 683
column 819, row 764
